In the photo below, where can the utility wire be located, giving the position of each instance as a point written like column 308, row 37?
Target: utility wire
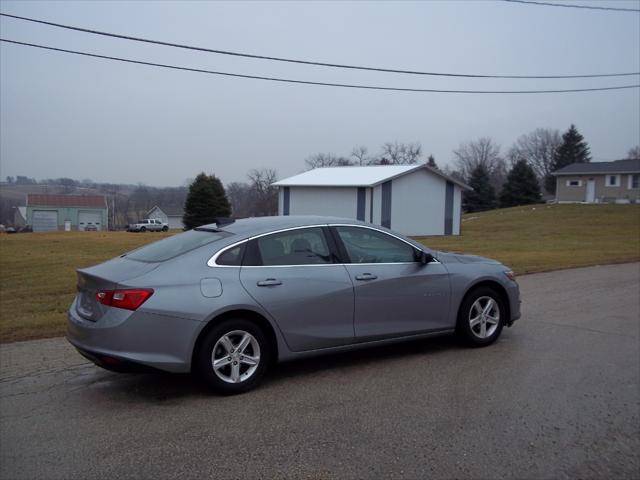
column 587, row 7
column 308, row 82
column 305, row 62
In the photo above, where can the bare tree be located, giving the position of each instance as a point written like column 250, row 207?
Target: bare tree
column 319, row 160
column 447, row 170
column 481, row 152
column 634, row 152
column 538, row 149
column 360, row 155
column 264, row 192
column 398, row 154
column 241, row 198
column 472, row 154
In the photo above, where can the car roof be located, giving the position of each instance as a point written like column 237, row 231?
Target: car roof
column 248, row 227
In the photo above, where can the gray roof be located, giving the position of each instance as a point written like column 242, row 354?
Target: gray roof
column 169, row 211
column 602, row 168
column 258, row 225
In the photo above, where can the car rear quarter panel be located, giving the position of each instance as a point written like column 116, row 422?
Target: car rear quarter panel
column 179, row 292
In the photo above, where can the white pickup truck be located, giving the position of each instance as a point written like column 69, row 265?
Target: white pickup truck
column 148, row 225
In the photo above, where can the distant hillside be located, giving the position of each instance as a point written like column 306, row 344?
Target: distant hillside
column 126, row 202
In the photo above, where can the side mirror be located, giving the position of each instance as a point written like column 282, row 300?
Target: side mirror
column 425, row 257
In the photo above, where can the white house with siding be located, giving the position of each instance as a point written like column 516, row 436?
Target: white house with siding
column 414, row 200
column 170, row 215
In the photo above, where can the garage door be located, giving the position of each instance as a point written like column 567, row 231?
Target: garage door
column 89, row 218
column 45, row 220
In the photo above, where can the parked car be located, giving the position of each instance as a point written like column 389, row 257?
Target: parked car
column 148, row 224
column 228, row 300
column 90, row 228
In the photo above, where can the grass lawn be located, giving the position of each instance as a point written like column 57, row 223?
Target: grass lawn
column 549, row 237
column 37, row 279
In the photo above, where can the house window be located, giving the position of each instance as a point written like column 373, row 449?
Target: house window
column 613, row 181
column 634, row 181
column 574, row 183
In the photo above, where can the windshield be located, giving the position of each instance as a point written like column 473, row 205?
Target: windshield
column 176, row 245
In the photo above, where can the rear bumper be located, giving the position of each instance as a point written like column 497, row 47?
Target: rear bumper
column 116, row 364
column 161, row 342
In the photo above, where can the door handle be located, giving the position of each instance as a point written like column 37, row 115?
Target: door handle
column 269, row 282
column 366, row 277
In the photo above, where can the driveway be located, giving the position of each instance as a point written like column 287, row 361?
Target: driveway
column 556, row 397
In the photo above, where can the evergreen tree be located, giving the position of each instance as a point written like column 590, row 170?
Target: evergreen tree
column 483, row 196
column 432, row 162
column 521, row 187
column 574, row 149
column 206, row 200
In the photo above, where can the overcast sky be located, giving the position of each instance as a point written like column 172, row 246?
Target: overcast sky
column 65, row 115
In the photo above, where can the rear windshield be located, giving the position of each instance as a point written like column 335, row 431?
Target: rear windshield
column 176, row 245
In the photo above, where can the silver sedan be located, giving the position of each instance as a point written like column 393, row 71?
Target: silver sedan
column 228, row 300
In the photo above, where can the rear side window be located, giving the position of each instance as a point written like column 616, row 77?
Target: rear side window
column 176, row 245
column 364, row 245
column 231, row 257
column 305, row 246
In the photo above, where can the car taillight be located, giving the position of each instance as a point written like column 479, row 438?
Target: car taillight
column 129, row 299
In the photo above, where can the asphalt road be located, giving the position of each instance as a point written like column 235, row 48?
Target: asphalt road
column 556, row 397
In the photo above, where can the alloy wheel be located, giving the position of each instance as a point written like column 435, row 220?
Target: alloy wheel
column 235, row 356
column 484, row 317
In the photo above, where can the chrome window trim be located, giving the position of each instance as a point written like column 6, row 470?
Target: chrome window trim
column 212, row 261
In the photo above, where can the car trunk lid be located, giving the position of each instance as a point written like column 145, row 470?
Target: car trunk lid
column 105, row 276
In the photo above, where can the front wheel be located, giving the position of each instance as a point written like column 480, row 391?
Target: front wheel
column 165, row 229
column 481, row 317
column 233, row 357
column 143, row 229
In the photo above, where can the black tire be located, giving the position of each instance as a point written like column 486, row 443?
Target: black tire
column 165, row 229
column 203, row 361
column 473, row 335
column 143, row 229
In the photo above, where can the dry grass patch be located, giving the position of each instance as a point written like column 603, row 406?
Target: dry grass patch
column 38, row 277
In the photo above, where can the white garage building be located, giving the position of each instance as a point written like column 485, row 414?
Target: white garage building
column 414, row 200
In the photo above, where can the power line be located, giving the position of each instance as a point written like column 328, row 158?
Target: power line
column 308, row 82
column 587, row 7
column 305, row 62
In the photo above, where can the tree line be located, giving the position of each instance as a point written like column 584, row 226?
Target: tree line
column 518, row 177
column 498, row 180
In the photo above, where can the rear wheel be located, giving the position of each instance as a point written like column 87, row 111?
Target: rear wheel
column 481, row 317
column 165, row 228
column 233, row 356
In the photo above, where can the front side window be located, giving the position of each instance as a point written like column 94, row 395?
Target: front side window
column 305, row 246
column 365, row 245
